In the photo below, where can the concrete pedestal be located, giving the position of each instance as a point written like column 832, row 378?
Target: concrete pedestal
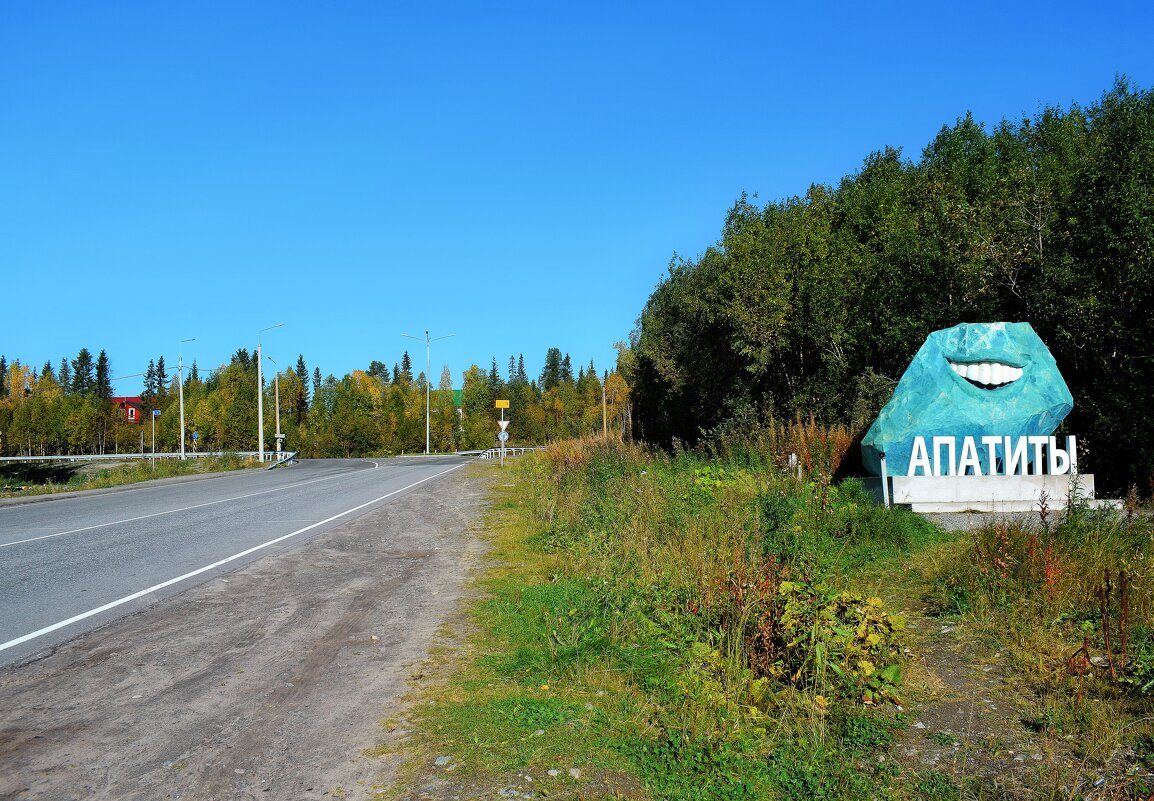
column 983, row 493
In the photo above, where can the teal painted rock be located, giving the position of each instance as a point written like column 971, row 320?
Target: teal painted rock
column 972, row 380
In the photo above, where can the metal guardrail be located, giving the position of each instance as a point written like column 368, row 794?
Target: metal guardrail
column 495, row 453
column 277, row 458
column 274, row 456
column 289, row 457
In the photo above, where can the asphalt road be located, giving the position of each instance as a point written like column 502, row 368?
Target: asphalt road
column 70, row 565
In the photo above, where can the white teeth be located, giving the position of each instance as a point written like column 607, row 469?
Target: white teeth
column 988, row 374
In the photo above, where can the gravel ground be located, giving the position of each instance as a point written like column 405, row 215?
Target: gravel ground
column 968, row 521
column 269, row 682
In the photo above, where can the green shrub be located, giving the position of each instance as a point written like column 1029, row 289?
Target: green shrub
column 722, row 589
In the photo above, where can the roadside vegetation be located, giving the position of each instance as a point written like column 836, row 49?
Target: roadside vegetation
column 70, row 408
column 692, row 621
column 1069, row 599
column 709, row 625
column 815, row 304
column 26, row 478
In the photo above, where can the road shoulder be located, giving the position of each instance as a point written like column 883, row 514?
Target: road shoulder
column 269, row 682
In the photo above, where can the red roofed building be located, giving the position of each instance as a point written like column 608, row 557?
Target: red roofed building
column 130, row 406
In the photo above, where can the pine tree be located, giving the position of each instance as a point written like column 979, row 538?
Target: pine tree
column 149, row 383
column 103, row 379
column 302, row 372
column 302, row 369
column 3, row 377
column 396, row 373
column 567, row 369
column 446, row 382
column 242, row 358
column 494, row 376
column 161, row 379
column 522, row 376
column 406, row 367
column 512, row 369
column 316, row 381
column 551, row 372
column 193, row 374
column 82, row 378
column 64, row 375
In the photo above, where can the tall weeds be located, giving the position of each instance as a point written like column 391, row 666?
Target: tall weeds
column 817, row 450
column 1070, row 597
column 719, row 579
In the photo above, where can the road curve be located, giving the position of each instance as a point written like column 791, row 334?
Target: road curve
column 73, row 564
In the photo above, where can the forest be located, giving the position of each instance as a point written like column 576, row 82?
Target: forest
column 69, row 409
column 813, row 306
column 805, row 308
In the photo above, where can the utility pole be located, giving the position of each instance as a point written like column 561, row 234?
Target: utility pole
column 276, row 394
column 279, row 436
column 260, row 395
column 180, row 388
column 428, row 381
column 604, row 408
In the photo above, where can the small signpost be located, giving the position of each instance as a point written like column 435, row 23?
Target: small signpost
column 502, row 435
column 155, row 414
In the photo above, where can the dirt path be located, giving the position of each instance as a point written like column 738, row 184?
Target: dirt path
column 969, row 724
column 268, row 683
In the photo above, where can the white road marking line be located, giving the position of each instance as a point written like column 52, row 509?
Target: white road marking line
column 120, row 601
column 185, row 509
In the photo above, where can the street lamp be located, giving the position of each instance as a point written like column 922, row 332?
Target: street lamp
column 260, row 395
column 180, row 387
column 276, row 392
column 428, row 381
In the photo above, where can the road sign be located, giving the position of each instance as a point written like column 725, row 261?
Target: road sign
column 156, row 412
column 503, row 423
column 194, row 436
column 503, row 436
column 502, row 404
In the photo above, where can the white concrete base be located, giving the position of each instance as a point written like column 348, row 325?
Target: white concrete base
column 982, row 493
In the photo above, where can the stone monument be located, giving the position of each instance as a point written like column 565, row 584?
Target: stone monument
column 971, row 423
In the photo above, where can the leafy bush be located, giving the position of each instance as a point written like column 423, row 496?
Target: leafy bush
column 719, row 585
column 826, row 631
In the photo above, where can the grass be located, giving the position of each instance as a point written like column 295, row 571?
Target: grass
column 514, row 708
column 710, row 626
column 38, row 479
column 1070, row 600
column 683, row 626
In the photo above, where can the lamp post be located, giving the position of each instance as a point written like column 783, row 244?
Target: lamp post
column 260, row 395
column 180, row 388
column 428, row 381
column 276, row 393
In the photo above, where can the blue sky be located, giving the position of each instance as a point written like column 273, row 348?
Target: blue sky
column 516, row 174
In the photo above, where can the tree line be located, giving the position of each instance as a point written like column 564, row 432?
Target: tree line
column 69, row 409
column 815, row 305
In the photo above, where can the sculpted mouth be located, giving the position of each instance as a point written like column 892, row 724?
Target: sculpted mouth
column 988, row 374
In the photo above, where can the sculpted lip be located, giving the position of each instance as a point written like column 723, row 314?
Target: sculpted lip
column 988, row 374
